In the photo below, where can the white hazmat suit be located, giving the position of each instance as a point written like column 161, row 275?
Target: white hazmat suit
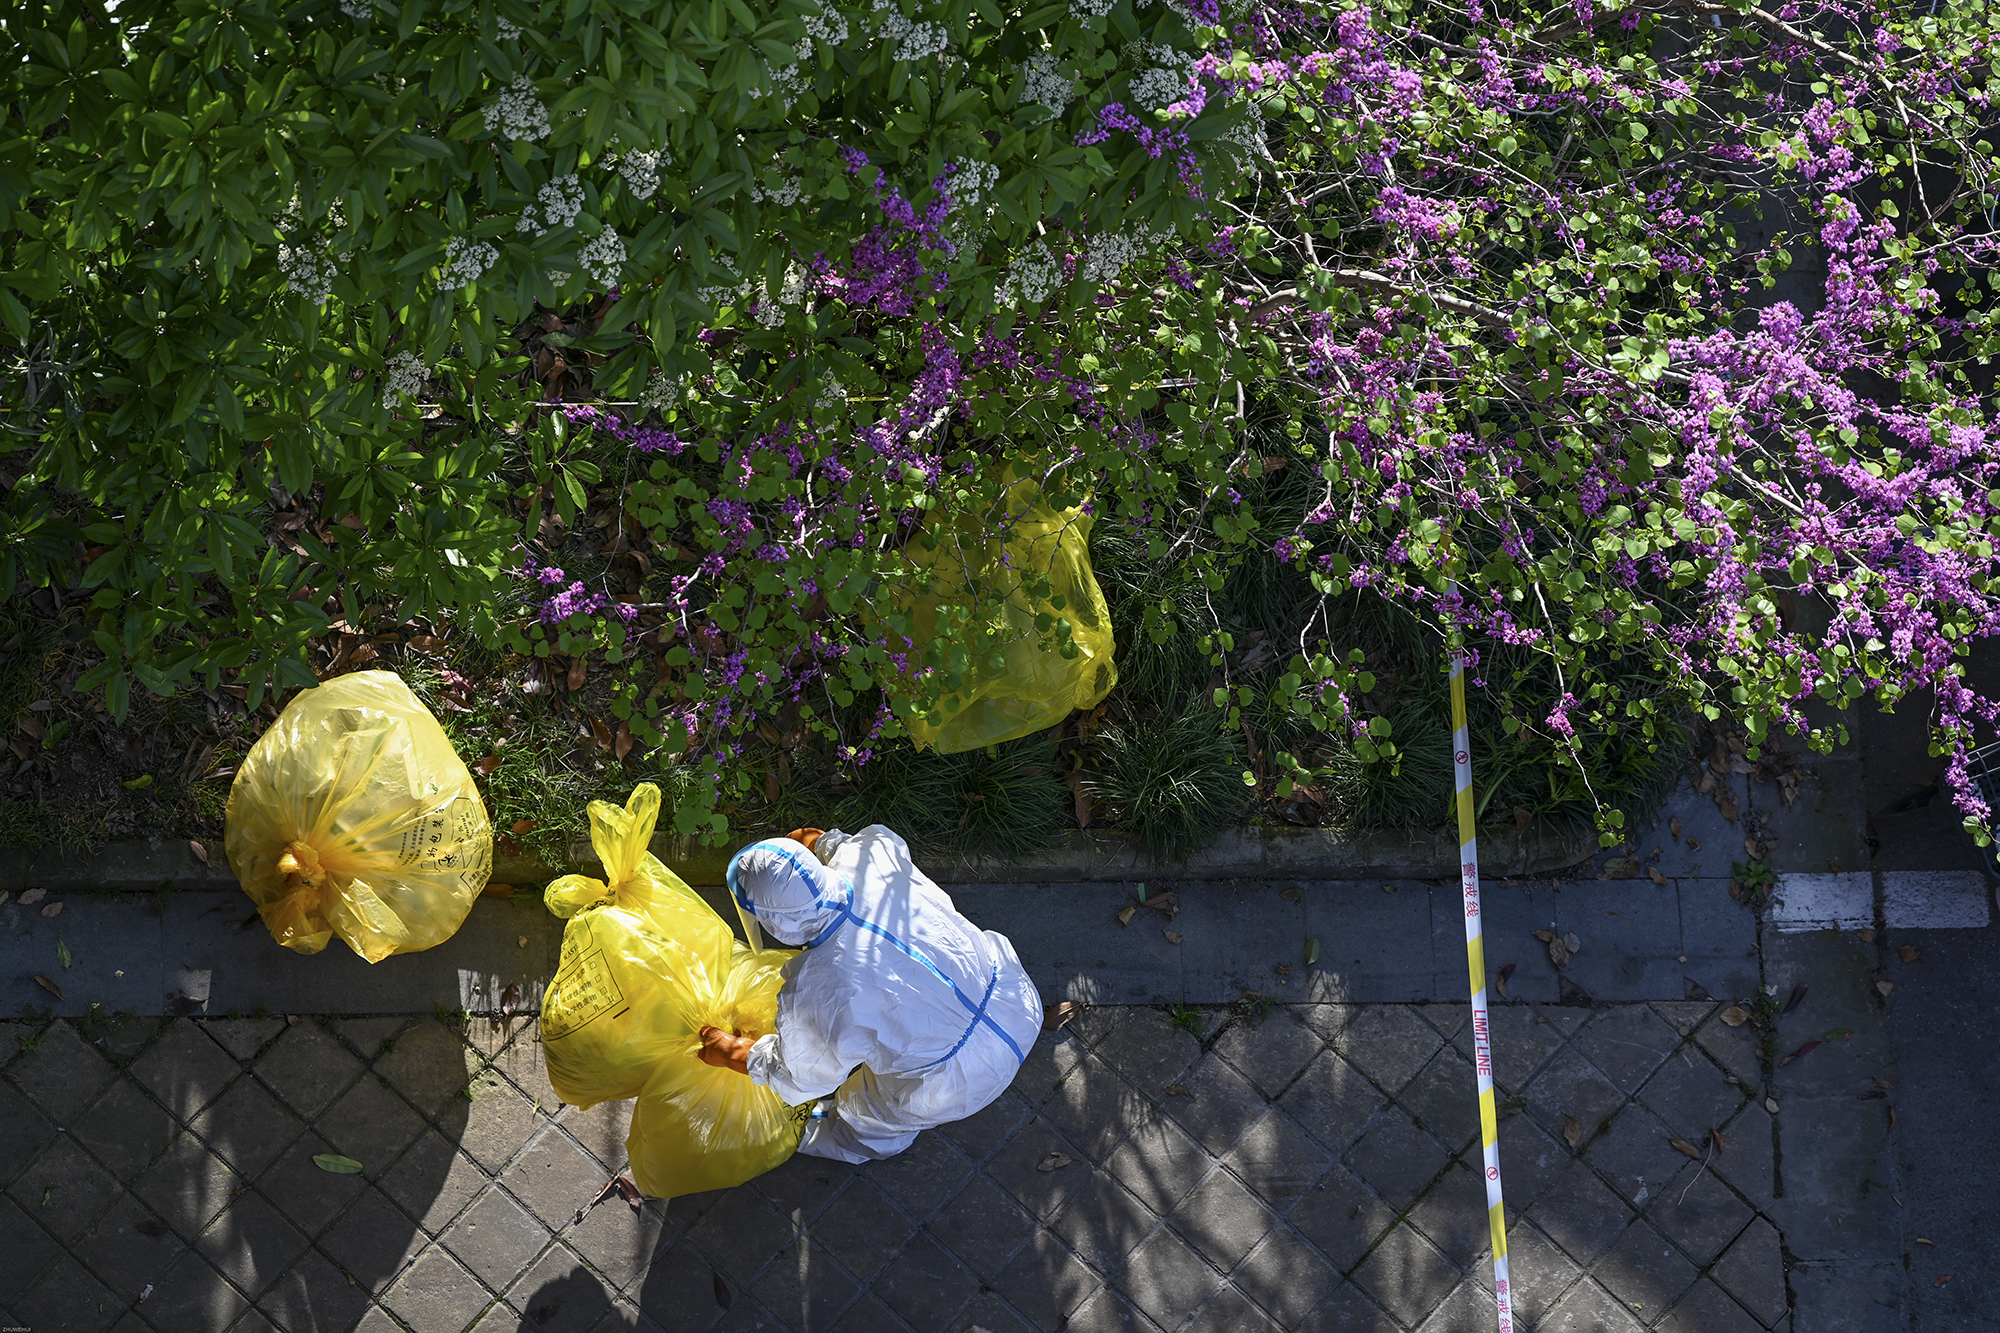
column 904, row 1010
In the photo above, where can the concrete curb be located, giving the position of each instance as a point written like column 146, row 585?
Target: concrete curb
column 1271, row 852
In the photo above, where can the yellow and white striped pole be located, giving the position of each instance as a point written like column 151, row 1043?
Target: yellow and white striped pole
column 1475, row 950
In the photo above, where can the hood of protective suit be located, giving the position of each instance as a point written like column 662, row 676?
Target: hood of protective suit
column 783, row 887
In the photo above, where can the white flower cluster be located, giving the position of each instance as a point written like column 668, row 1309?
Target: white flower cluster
column 560, row 200
column 769, row 313
column 914, row 41
column 309, row 270
column 784, row 194
column 402, row 377
column 829, row 25
column 465, row 262
column 659, row 391
column 1108, row 255
column 970, row 184
column 1159, row 86
column 1165, row 80
column 1045, row 83
column 831, row 394
column 507, row 30
column 728, row 291
column 294, row 214
column 519, row 114
column 559, row 278
column 603, row 258
column 641, row 171
column 361, row 10
column 1032, row 276
column 1180, row 7
column 1090, row 9
column 793, row 290
column 792, row 81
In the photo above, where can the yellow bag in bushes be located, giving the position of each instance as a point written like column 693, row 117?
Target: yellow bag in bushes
column 646, row 964
column 1031, row 690
column 353, row 816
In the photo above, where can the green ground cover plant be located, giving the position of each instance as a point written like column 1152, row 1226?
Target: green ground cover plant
column 628, row 355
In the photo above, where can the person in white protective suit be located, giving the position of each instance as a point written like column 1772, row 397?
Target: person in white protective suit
column 899, row 1016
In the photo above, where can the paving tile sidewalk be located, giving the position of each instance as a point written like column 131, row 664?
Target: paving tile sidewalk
column 1308, row 1171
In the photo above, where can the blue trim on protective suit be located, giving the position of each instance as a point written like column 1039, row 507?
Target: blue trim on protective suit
column 843, row 896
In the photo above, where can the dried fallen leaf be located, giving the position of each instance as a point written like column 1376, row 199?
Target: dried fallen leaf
column 1716, row 1135
column 1686, row 1149
column 1173, row 936
column 1545, row 935
column 521, row 941
column 33, row 896
column 1735, row 1015
column 55, row 909
column 338, row 1165
column 1653, row 873
column 1572, row 1131
column 1925, row 1240
column 1292, row 895
column 489, row 765
column 48, row 986
column 152, row 1226
column 1750, row 848
column 1178, row 1090
column 1892, row 1117
column 1575, row 946
column 1694, row 844
column 1080, row 796
column 1725, row 801
column 1736, row 890
column 522, row 827
column 1885, row 987
column 510, row 1000
column 200, row 852
column 621, row 744
column 1054, row 1161
column 1771, row 1105
column 1388, row 888
column 578, row 668
column 1798, row 998
column 1282, row 969
column 628, row 1192
column 1500, row 981
column 1942, row 1279
column 1674, row 827
column 1559, row 952
column 723, row 1296
column 1126, row 914
column 1909, row 953
column 497, row 890
column 1866, row 934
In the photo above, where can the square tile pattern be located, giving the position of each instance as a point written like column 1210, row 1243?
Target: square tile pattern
column 1317, row 1169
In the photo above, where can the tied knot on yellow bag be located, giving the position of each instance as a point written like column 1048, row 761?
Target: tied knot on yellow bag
column 621, row 836
column 646, row 964
column 353, row 816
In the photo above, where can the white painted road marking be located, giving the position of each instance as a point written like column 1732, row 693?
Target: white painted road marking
column 1823, row 902
column 1911, row 900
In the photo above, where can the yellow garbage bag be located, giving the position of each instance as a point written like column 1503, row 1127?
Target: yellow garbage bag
column 646, row 964
column 353, row 816
column 697, row 1127
column 1030, row 689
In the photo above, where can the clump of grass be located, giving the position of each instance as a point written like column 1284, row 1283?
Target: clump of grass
column 1174, row 782
column 1002, row 802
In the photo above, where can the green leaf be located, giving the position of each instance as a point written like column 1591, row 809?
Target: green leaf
column 140, row 783
column 340, row 1166
column 63, row 954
